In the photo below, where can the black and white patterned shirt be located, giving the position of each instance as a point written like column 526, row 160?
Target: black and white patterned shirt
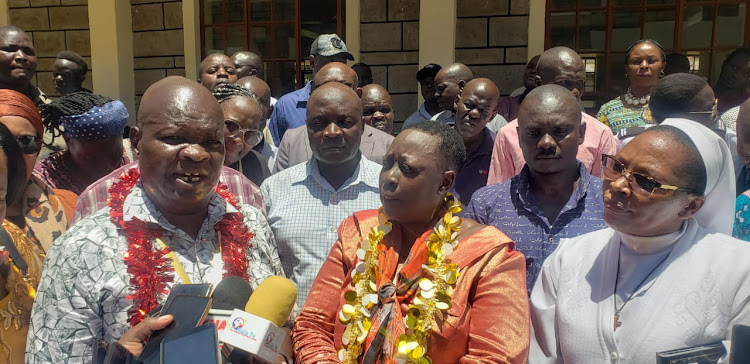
column 83, row 292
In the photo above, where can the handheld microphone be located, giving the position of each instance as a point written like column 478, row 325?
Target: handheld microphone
column 273, row 300
column 256, row 332
column 230, row 294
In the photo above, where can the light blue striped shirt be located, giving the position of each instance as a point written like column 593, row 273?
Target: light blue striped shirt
column 305, row 211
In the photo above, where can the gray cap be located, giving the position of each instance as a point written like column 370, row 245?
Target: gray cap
column 328, row 45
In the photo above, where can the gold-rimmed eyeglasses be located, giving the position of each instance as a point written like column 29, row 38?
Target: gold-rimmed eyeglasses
column 644, row 185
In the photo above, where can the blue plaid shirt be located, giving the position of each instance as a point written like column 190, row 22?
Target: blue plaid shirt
column 512, row 208
column 305, row 211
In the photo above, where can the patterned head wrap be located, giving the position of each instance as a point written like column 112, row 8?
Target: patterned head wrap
column 14, row 103
column 99, row 122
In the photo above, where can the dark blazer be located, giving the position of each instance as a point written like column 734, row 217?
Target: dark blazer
column 295, row 147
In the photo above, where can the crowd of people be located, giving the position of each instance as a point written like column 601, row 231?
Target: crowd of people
column 504, row 229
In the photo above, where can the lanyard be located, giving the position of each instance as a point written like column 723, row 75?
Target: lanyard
column 178, row 268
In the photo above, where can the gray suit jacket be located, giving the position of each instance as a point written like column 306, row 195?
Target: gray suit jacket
column 295, row 147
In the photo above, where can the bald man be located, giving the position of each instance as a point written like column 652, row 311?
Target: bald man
column 564, row 67
column 476, row 107
column 554, row 196
column 307, row 202
column 85, row 289
column 295, row 146
column 260, row 89
column 216, row 68
column 449, row 82
column 289, row 112
column 377, row 108
column 247, row 64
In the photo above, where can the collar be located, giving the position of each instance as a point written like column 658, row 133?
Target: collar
column 138, row 205
column 523, row 187
column 423, row 112
column 357, row 177
column 647, row 245
column 308, row 89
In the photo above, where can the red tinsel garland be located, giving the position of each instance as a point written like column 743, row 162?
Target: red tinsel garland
column 150, row 272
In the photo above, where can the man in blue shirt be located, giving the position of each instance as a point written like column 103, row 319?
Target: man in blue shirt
column 554, row 196
column 290, row 111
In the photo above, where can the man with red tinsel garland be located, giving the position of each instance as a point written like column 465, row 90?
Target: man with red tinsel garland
column 112, row 267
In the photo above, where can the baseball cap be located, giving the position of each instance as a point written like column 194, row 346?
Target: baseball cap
column 328, row 45
column 429, row 70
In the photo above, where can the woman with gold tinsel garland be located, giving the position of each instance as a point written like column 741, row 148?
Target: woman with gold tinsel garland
column 412, row 282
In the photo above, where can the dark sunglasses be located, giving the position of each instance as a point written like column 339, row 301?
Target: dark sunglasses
column 250, row 137
column 644, row 184
column 29, row 144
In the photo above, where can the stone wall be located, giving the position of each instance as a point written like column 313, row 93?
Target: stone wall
column 389, row 43
column 491, row 37
column 54, row 26
column 158, row 47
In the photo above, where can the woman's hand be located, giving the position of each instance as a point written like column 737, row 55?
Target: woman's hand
column 135, row 337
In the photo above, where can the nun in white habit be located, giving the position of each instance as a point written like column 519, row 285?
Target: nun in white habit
column 665, row 274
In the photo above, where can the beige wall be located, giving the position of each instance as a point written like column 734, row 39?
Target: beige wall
column 112, row 51
column 352, row 28
column 158, row 42
column 192, row 36
column 390, row 43
column 492, row 39
column 536, row 27
column 437, row 32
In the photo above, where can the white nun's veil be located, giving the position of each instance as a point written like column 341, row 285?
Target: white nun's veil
column 717, row 214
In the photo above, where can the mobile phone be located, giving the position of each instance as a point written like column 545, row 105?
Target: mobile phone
column 740, row 350
column 188, row 311
column 198, row 289
column 199, row 345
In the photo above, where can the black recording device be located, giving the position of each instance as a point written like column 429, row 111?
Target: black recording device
column 195, row 289
column 188, row 311
column 199, row 345
column 740, row 350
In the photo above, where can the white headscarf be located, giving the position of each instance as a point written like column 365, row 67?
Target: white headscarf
column 717, row 214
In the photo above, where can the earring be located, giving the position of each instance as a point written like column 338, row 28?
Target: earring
column 626, row 75
column 661, row 74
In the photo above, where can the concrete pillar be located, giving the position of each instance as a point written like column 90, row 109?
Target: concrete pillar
column 112, row 51
column 437, row 33
column 4, row 18
column 192, row 35
column 352, row 28
column 536, row 28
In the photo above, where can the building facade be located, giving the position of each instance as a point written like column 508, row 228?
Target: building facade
column 130, row 45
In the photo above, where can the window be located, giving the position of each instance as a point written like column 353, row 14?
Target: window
column 706, row 31
column 279, row 31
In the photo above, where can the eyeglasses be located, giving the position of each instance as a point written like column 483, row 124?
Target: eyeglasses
column 251, row 137
column 644, row 185
column 714, row 112
column 30, row 144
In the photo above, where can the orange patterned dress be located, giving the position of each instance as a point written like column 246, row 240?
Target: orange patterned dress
column 488, row 319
